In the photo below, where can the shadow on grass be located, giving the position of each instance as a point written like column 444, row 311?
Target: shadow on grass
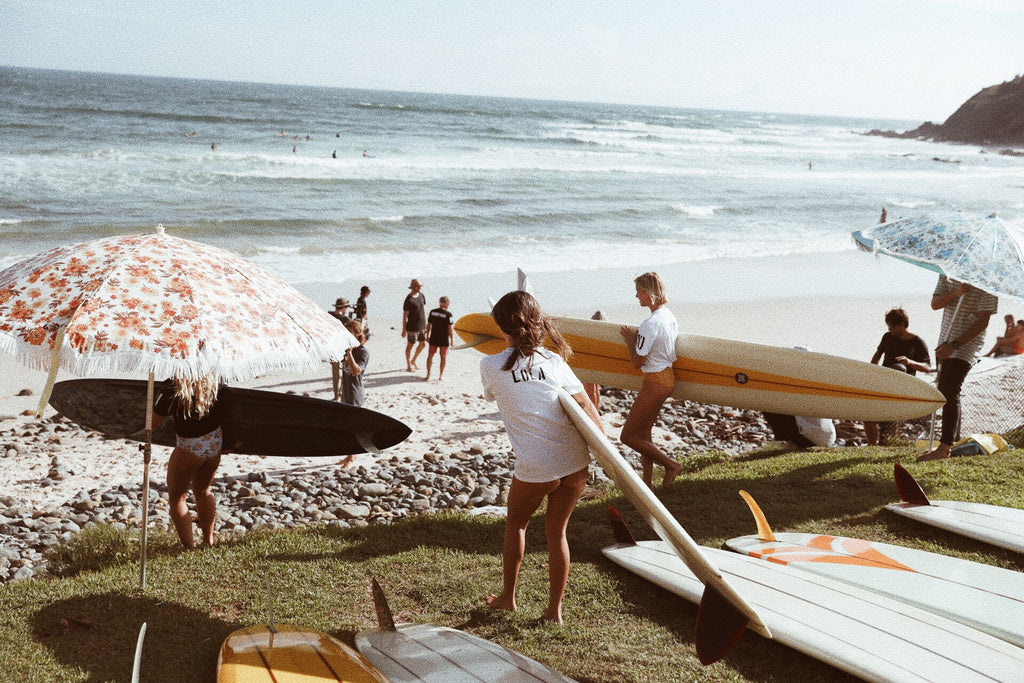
column 97, row 634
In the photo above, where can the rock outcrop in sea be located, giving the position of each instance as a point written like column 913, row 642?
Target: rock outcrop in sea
column 993, row 117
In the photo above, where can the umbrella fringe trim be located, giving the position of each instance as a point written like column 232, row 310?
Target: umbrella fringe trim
column 92, row 364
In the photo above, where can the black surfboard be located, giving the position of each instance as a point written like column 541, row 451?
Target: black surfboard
column 255, row 422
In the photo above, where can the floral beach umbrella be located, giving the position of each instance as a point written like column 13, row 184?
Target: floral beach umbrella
column 986, row 252
column 162, row 306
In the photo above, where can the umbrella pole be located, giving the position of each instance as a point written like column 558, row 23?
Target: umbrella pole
column 146, row 453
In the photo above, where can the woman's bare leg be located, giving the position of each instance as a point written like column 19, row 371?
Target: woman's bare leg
column 206, row 504
column 523, row 500
column 180, row 469
column 636, row 433
column 561, row 503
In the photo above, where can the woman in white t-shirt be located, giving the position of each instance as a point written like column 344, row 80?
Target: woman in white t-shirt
column 652, row 348
column 551, row 456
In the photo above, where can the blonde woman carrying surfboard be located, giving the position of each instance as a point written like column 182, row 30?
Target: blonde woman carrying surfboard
column 652, row 349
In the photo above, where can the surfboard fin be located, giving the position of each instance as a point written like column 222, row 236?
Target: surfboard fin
column 385, row 620
column 137, row 666
column 619, row 529
column 910, row 491
column 365, row 440
column 720, row 625
column 764, row 530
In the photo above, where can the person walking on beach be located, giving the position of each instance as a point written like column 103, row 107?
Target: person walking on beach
column 902, row 350
column 965, row 314
column 339, row 313
column 414, row 324
column 440, row 335
column 551, row 456
column 197, row 427
column 652, row 349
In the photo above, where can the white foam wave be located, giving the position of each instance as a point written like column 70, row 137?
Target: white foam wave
column 698, row 211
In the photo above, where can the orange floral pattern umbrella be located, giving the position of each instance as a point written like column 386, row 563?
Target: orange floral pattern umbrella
column 161, row 304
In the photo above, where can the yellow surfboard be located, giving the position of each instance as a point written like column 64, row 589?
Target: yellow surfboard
column 737, row 374
column 285, row 654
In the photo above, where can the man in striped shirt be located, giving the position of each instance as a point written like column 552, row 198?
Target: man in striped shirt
column 965, row 314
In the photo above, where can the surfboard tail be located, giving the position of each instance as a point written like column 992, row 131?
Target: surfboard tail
column 720, row 625
column 910, row 491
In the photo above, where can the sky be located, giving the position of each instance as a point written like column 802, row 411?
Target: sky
column 913, row 60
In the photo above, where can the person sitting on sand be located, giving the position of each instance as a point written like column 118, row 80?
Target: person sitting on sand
column 652, row 349
column 1012, row 341
column 552, row 458
column 195, row 458
column 902, row 350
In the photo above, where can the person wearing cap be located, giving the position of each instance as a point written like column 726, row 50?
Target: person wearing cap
column 414, row 324
column 340, row 306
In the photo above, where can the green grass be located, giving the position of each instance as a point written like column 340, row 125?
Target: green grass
column 435, row 569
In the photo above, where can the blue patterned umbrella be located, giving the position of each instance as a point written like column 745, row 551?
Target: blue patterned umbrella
column 987, row 253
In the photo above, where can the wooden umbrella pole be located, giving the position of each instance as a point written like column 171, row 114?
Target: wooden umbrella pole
column 147, row 451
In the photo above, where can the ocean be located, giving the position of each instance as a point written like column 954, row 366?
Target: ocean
column 344, row 187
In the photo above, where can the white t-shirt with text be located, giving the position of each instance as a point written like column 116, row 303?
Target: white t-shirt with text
column 656, row 339
column 547, row 445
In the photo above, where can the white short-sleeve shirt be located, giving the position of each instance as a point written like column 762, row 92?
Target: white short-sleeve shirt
column 656, row 339
column 547, row 445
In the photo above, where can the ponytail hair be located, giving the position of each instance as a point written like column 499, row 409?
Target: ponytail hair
column 519, row 316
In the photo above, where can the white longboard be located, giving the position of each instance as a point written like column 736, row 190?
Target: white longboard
column 866, row 634
column 412, row 653
column 998, row 526
column 724, row 613
column 734, row 373
column 990, row 599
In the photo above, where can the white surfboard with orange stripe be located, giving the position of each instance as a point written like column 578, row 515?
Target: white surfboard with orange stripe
column 737, row 374
column 988, row 598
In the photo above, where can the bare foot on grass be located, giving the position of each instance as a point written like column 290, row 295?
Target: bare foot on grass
column 501, row 602
column 671, row 472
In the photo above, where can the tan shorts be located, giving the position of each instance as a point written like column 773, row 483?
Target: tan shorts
column 665, row 378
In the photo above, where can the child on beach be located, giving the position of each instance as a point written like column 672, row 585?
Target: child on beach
column 440, row 335
column 356, row 360
column 652, row 349
column 551, row 456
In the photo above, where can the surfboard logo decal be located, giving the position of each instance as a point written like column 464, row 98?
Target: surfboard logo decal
column 829, row 550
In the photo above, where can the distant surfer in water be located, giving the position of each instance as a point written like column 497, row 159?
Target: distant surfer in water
column 652, row 349
column 551, row 456
column 195, row 458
